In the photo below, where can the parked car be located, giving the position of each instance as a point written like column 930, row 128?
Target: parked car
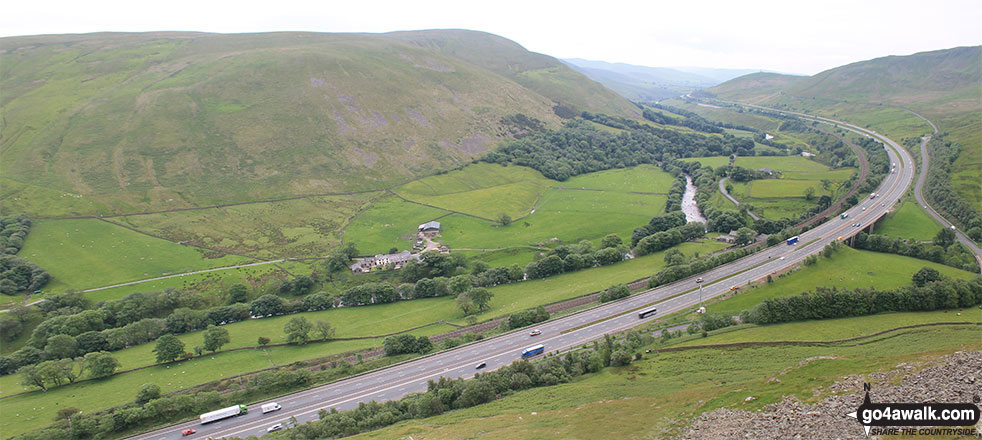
column 188, row 432
column 275, row 427
column 535, row 332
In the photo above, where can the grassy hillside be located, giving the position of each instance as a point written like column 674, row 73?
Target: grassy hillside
column 941, row 85
column 658, row 396
column 132, row 122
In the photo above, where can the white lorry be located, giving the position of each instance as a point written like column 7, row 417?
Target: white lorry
column 223, row 413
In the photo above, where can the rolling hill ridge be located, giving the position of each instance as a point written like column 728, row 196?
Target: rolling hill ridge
column 109, row 123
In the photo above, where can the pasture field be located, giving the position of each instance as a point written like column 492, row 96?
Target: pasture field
column 503, row 257
column 642, row 178
column 390, row 222
column 711, row 161
column 38, row 201
column 839, row 328
column 35, row 410
column 305, row 227
column 212, row 283
column 849, row 268
column 909, row 221
column 569, row 215
column 772, row 188
column 353, row 321
column 86, row 253
column 669, row 388
column 482, row 189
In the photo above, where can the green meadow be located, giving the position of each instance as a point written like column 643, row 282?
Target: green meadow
column 81, row 254
column 908, row 221
column 482, row 189
column 847, row 269
column 657, row 396
column 389, row 223
column 306, row 227
column 641, row 178
column 350, row 322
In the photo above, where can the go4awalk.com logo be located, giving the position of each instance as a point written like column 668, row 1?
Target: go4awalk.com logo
column 924, row 419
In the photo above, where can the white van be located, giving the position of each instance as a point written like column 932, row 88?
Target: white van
column 270, row 407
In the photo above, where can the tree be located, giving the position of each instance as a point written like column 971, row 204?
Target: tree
column 926, row 275
column 945, row 237
column 238, row 293
column 809, row 193
column 620, row 358
column 611, row 240
column 504, row 219
column 100, row 364
column 168, row 348
column 298, row 330
column 262, row 341
column 615, row 292
column 30, row 376
column 745, row 236
column 337, row 261
column 67, row 414
column 61, row 346
column 215, row 338
column 460, row 283
column 674, row 257
column 464, row 303
column 324, row 329
column 267, row 305
column 10, row 329
column 481, row 298
column 148, row 392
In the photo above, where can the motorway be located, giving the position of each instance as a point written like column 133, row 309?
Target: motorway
column 567, row 332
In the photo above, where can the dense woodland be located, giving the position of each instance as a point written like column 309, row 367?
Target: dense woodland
column 578, row 148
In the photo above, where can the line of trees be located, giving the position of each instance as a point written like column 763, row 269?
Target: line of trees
column 13, row 232
column 690, row 120
column 944, row 250
column 826, row 303
column 939, row 191
column 678, row 272
column 570, row 258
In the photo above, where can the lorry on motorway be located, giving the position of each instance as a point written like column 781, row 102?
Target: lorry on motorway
column 270, row 407
column 223, row 413
column 534, row 350
column 792, row 240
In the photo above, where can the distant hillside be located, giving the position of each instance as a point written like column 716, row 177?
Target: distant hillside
column 640, row 83
column 755, row 87
column 944, row 86
column 117, row 122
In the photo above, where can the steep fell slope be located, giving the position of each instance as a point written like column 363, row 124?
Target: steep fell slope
column 110, row 123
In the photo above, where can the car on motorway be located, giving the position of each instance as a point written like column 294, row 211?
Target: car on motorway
column 535, row 332
column 735, row 288
column 188, row 432
column 481, row 365
column 275, row 427
column 782, row 258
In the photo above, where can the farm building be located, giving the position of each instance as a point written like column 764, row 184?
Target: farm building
column 433, row 226
column 396, row 261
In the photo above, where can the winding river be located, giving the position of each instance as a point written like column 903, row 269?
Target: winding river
column 689, row 206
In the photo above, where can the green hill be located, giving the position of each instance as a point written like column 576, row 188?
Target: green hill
column 113, row 122
column 941, row 85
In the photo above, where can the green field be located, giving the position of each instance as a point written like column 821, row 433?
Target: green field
column 209, row 283
column 785, row 196
column 641, row 178
column 81, row 254
column 351, row 321
column 390, row 222
column 656, row 397
column 712, row 161
column 504, row 257
column 483, row 190
column 569, row 215
column 305, row 227
column 908, row 221
column 849, row 268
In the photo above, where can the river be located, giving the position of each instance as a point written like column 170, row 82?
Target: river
column 689, row 206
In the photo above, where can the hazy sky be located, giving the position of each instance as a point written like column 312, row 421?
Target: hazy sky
column 788, row 35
